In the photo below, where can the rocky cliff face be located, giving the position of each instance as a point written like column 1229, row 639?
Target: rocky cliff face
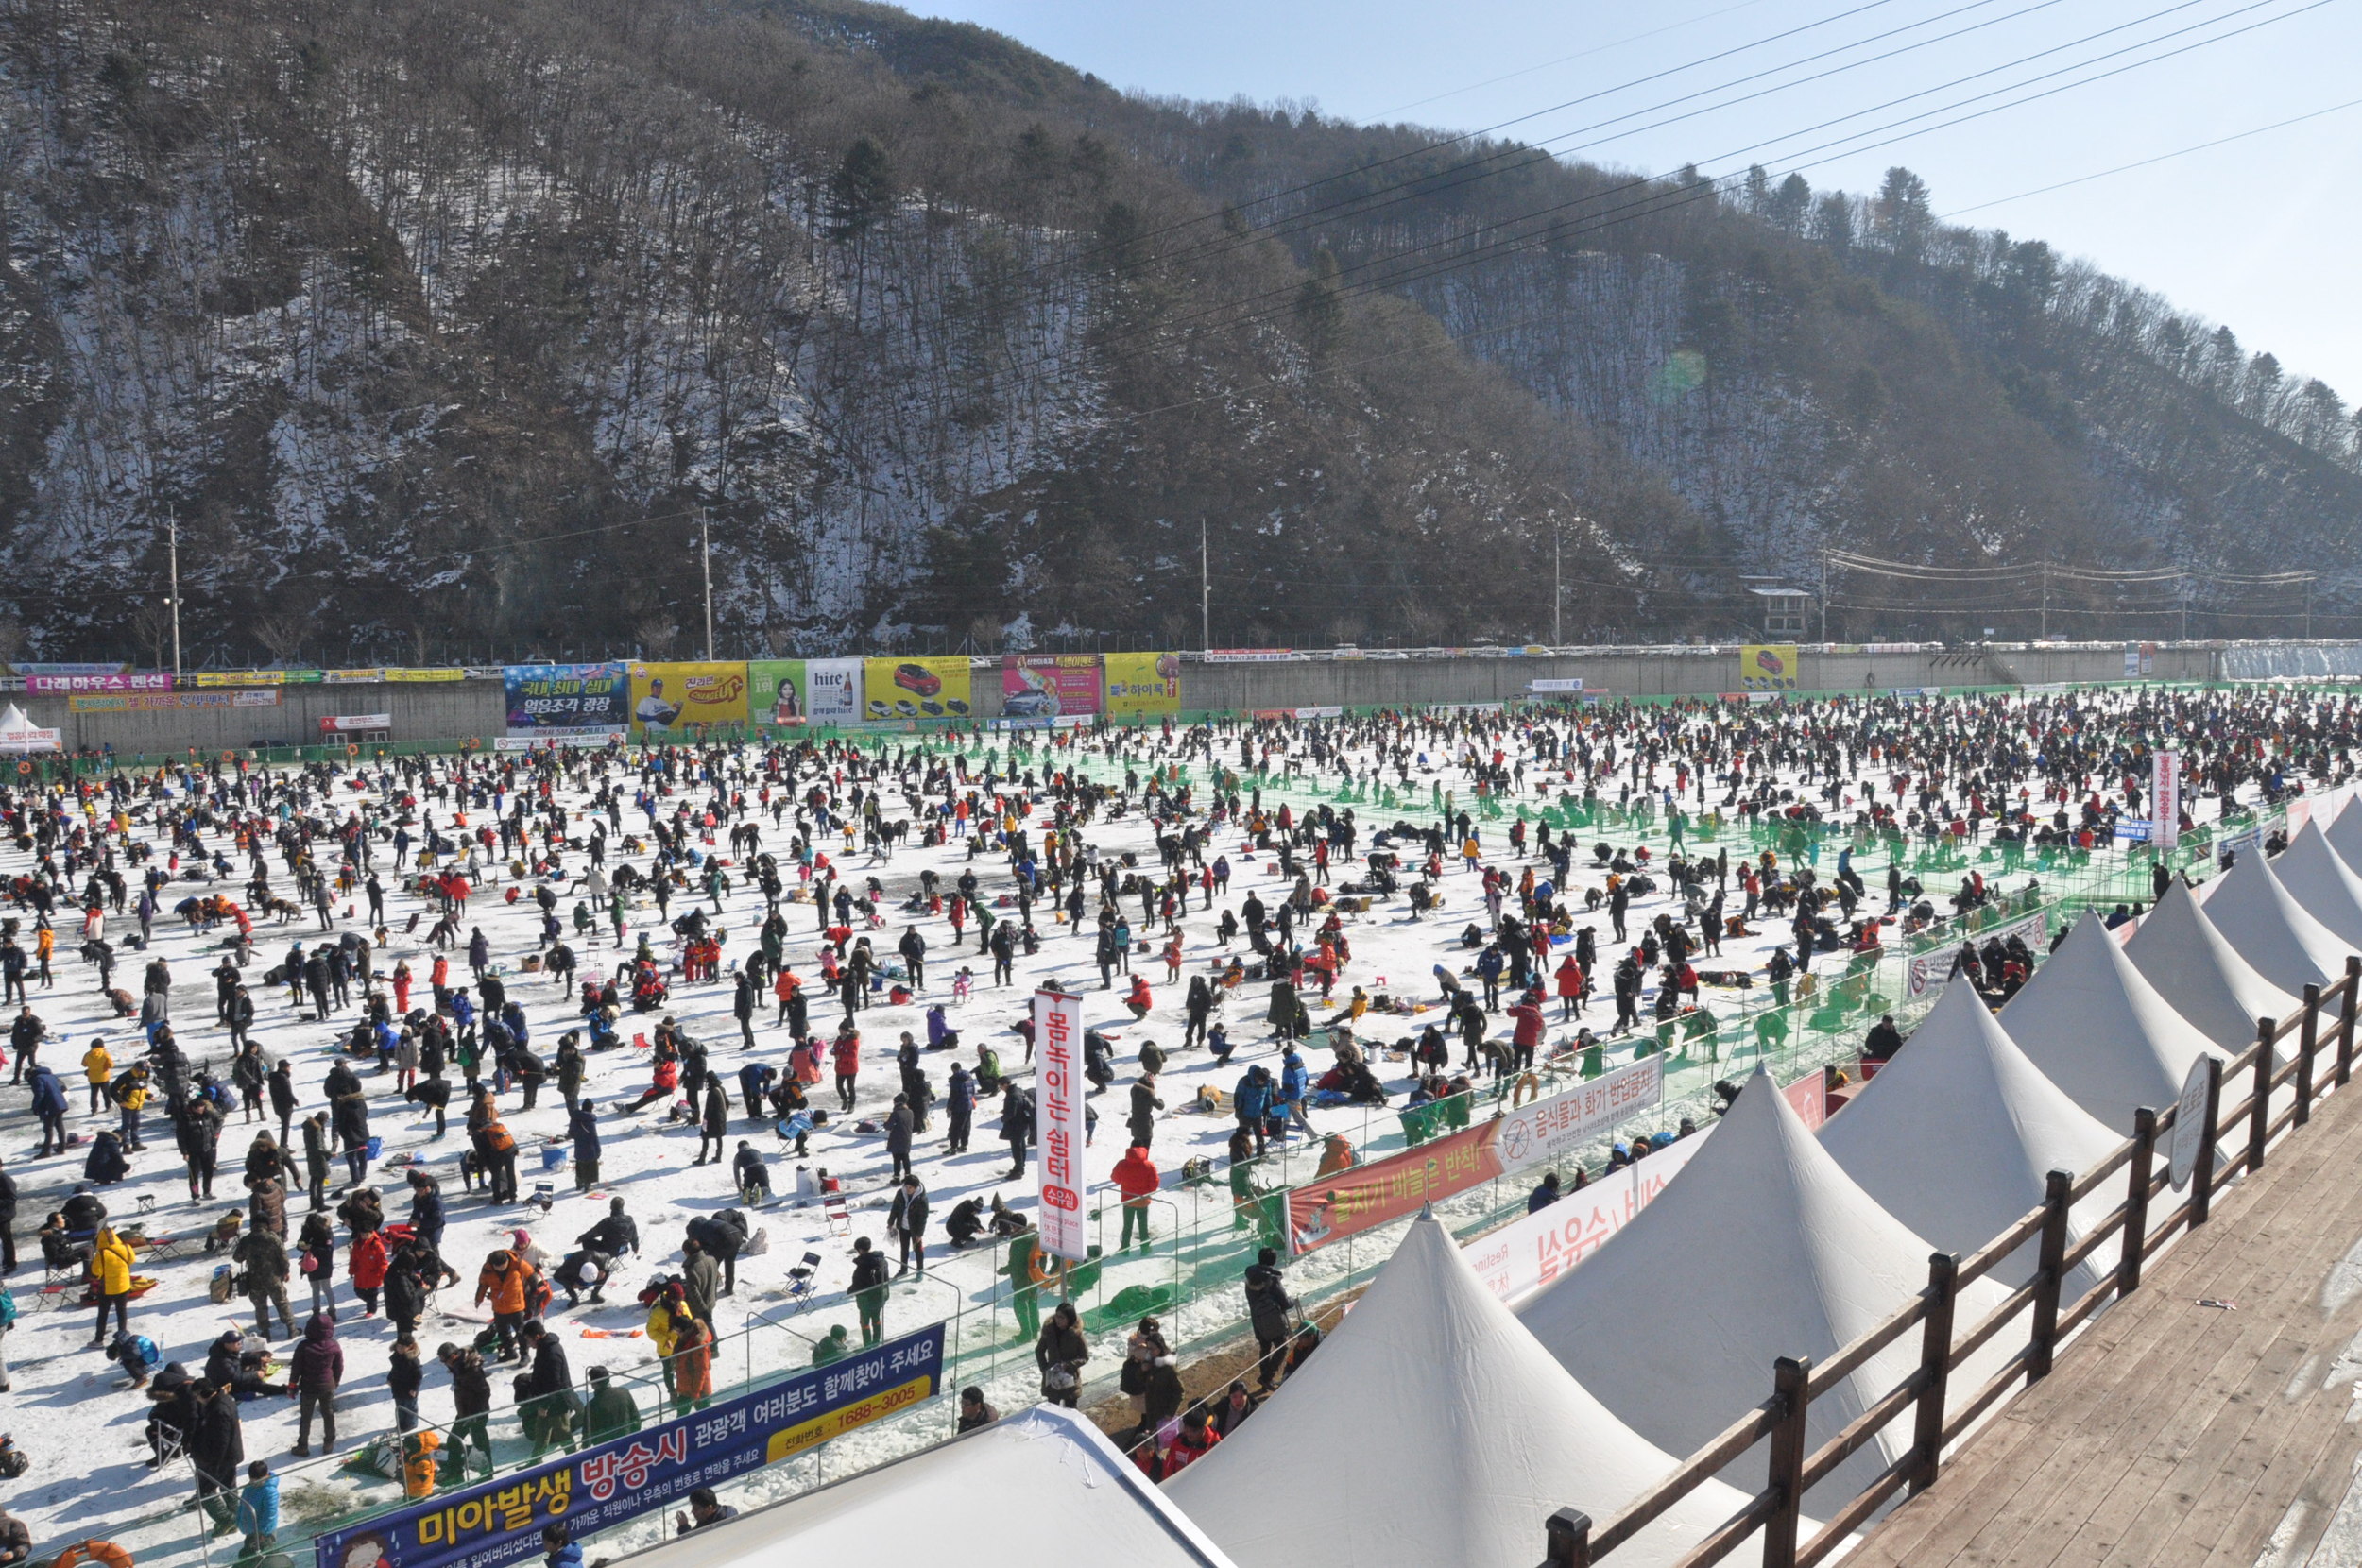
column 441, row 328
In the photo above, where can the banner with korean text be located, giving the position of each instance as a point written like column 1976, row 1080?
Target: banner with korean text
column 1058, row 1124
column 1396, row 1187
column 1526, row 1255
column 500, row 1521
column 1558, row 1126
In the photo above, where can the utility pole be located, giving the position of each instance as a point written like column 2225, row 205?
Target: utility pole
column 1204, row 594
column 2046, row 599
column 2308, row 606
column 1824, row 596
column 2186, row 590
column 172, row 537
column 1558, row 587
column 705, row 553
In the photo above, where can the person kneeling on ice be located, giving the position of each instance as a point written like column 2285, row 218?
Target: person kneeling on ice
column 753, row 1177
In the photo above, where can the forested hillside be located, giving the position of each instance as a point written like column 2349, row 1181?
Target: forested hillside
column 440, row 325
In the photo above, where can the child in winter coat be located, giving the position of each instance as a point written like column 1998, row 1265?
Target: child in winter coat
column 258, row 1512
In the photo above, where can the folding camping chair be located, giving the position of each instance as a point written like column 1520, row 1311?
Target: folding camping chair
column 801, row 1286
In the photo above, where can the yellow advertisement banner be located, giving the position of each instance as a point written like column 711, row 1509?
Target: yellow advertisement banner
column 916, row 687
column 681, row 696
column 1142, row 686
column 792, row 1440
column 1767, row 666
column 418, row 675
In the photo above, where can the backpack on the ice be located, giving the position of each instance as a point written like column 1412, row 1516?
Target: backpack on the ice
column 219, row 1288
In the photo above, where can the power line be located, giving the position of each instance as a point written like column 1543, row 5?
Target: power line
column 2160, row 158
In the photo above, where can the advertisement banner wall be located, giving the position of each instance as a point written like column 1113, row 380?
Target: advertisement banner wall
column 1058, row 1124
column 1523, row 1256
column 673, row 698
column 1547, row 1128
column 1049, row 685
column 565, row 696
column 1767, row 666
column 354, row 724
column 500, row 1521
column 1396, row 1187
column 1142, row 686
column 915, row 687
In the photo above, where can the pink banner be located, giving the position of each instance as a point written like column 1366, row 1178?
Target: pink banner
column 1045, row 686
column 1058, row 1124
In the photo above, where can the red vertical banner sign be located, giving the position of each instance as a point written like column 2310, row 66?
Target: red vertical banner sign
column 1059, row 1122
column 2165, row 800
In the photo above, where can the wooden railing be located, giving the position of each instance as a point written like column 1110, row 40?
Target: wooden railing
column 1574, row 1542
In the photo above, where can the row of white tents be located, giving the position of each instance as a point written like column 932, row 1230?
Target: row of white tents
column 1438, row 1424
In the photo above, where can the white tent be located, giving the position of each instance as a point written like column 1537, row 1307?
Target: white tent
column 2265, row 926
column 2178, row 950
column 1760, row 1247
column 1431, row 1428
column 2327, row 888
column 2098, row 1029
column 1955, row 1136
column 1042, row 1487
column 20, row 735
column 2345, row 834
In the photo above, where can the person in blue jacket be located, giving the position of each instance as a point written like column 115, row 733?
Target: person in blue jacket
column 50, row 1106
column 1252, row 1100
column 1295, row 1082
column 258, row 1513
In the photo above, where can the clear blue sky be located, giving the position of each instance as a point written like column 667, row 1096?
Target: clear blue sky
column 2261, row 234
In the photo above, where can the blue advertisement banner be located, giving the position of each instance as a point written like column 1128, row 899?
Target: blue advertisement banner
column 499, row 1520
column 566, row 696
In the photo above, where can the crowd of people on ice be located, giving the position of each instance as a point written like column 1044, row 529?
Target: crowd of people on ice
column 337, row 913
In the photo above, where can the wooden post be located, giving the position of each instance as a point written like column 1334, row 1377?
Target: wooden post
column 2345, row 1019
column 2259, row 1119
column 2308, row 1036
column 1568, row 1533
column 1789, row 1375
column 2136, row 1202
column 2048, row 1280
column 2203, row 1172
column 1935, row 1356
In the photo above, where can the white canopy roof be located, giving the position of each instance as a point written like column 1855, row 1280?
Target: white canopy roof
column 1431, row 1428
column 2265, row 926
column 1042, row 1487
column 2345, row 834
column 2322, row 883
column 1956, row 1134
column 2099, row 1030
column 1760, row 1247
column 2178, row 950
column 12, row 720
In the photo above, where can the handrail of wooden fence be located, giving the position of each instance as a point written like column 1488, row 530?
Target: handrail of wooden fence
column 1570, row 1541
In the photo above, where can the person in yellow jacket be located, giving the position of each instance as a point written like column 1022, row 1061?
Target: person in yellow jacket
column 97, row 1066
column 670, row 1310
column 110, row 1264
column 418, row 1463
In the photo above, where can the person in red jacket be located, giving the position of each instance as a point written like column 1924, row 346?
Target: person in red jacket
column 667, row 1070
column 844, row 1056
column 1527, row 1015
column 1136, row 1176
column 367, row 1263
column 1569, row 989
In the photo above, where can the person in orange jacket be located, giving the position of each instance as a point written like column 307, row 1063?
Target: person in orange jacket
column 1137, row 1177
column 507, row 1282
column 1137, row 999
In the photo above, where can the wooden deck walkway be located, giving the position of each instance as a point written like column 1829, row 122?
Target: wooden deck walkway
column 2180, row 1435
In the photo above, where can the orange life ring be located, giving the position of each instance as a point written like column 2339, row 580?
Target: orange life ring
column 231, row 757
column 1518, row 1092
column 352, row 750
column 1033, row 1269
column 24, row 767
column 105, row 1552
